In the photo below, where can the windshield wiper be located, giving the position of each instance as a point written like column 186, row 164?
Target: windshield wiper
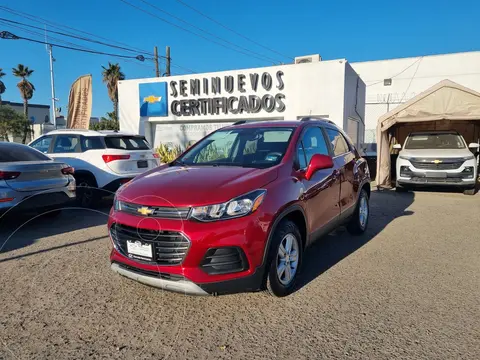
column 178, row 162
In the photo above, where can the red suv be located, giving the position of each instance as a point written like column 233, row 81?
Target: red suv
column 237, row 210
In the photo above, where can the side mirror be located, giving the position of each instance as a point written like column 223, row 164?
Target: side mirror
column 318, row 162
column 473, row 145
column 397, row 147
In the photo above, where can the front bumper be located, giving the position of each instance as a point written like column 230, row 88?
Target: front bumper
column 192, row 275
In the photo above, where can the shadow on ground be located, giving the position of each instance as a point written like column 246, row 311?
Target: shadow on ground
column 21, row 230
column 385, row 206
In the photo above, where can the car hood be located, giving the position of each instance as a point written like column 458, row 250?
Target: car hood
column 436, row 153
column 197, row 185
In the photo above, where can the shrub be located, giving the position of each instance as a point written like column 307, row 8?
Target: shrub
column 168, row 153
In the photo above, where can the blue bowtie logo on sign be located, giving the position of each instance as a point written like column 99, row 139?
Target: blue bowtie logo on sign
column 153, row 99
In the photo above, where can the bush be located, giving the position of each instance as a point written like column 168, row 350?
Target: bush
column 168, row 153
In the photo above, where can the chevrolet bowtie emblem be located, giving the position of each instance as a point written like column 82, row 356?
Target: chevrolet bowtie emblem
column 145, row 211
column 437, row 161
column 152, row 99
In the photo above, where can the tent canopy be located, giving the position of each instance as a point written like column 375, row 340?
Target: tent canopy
column 446, row 106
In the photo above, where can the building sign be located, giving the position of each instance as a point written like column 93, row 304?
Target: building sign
column 213, row 95
column 153, row 99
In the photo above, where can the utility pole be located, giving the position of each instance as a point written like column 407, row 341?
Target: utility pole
column 155, row 58
column 52, row 82
column 167, row 70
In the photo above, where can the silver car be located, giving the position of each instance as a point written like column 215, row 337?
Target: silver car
column 31, row 181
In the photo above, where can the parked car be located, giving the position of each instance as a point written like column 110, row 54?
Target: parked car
column 236, row 211
column 434, row 158
column 103, row 160
column 31, row 181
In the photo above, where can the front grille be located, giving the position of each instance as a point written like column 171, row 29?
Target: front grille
column 224, row 260
column 425, row 180
column 168, row 247
column 164, row 276
column 163, row 212
column 445, row 164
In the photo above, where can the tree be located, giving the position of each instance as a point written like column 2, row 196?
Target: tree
column 106, row 123
column 2, row 85
column 26, row 89
column 111, row 76
column 12, row 123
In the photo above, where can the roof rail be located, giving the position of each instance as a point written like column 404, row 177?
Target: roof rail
column 240, row 122
column 308, row 118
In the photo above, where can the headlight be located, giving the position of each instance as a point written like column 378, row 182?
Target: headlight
column 240, row 206
column 405, row 157
column 471, row 157
column 117, row 204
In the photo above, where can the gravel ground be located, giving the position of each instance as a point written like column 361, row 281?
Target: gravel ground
column 408, row 289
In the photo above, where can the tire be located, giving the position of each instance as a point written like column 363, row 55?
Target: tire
column 87, row 193
column 359, row 221
column 400, row 188
column 286, row 233
column 471, row 191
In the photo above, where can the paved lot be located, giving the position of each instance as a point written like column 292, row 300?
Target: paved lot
column 409, row 288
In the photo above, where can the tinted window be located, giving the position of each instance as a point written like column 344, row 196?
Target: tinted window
column 92, row 143
column 247, row 147
column 339, row 144
column 312, row 142
column 16, row 152
column 435, row 141
column 42, row 144
column 65, row 144
column 126, row 142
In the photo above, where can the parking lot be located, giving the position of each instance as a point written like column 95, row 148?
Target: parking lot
column 408, row 288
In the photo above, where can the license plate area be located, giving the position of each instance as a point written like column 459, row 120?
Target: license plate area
column 436, row 174
column 142, row 164
column 139, row 250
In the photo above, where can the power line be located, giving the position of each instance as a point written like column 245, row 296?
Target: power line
column 400, row 73
column 269, row 59
column 72, row 36
column 187, row 30
column 10, row 36
column 231, row 30
column 61, row 27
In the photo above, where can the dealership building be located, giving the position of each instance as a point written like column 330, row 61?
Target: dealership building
column 179, row 110
column 183, row 109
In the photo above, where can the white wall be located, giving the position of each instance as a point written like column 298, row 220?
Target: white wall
column 410, row 77
column 316, row 89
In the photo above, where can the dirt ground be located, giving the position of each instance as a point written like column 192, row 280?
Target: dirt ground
column 407, row 289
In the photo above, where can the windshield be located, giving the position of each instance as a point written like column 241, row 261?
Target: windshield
column 435, row 141
column 126, row 142
column 246, row 147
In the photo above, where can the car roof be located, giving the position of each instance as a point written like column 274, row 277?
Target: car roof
column 102, row 133
column 279, row 123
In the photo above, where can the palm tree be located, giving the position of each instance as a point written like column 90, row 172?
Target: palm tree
column 111, row 76
column 26, row 91
column 2, row 85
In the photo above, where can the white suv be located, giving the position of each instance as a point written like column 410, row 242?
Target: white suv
column 103, row 160
column 437, row 158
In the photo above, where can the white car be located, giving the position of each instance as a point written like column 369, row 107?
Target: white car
column 103, row 160
column 434, row 158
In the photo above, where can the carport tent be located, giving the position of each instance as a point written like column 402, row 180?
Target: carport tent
column 445, row 106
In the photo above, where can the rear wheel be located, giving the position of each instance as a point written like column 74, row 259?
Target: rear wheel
column 359, row 221
column 286, row 254
column 87, row 193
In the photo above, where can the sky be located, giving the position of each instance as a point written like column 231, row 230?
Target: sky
column 354, row 30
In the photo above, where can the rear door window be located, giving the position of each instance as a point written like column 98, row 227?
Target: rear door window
column 14, row 152
column 339, row 144
column 92, row 143
column 126, row 143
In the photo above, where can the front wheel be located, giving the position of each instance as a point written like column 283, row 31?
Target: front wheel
column 359, row 221
column 286, row 254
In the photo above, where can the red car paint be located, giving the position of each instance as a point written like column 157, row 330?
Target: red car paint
column 319, row 202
